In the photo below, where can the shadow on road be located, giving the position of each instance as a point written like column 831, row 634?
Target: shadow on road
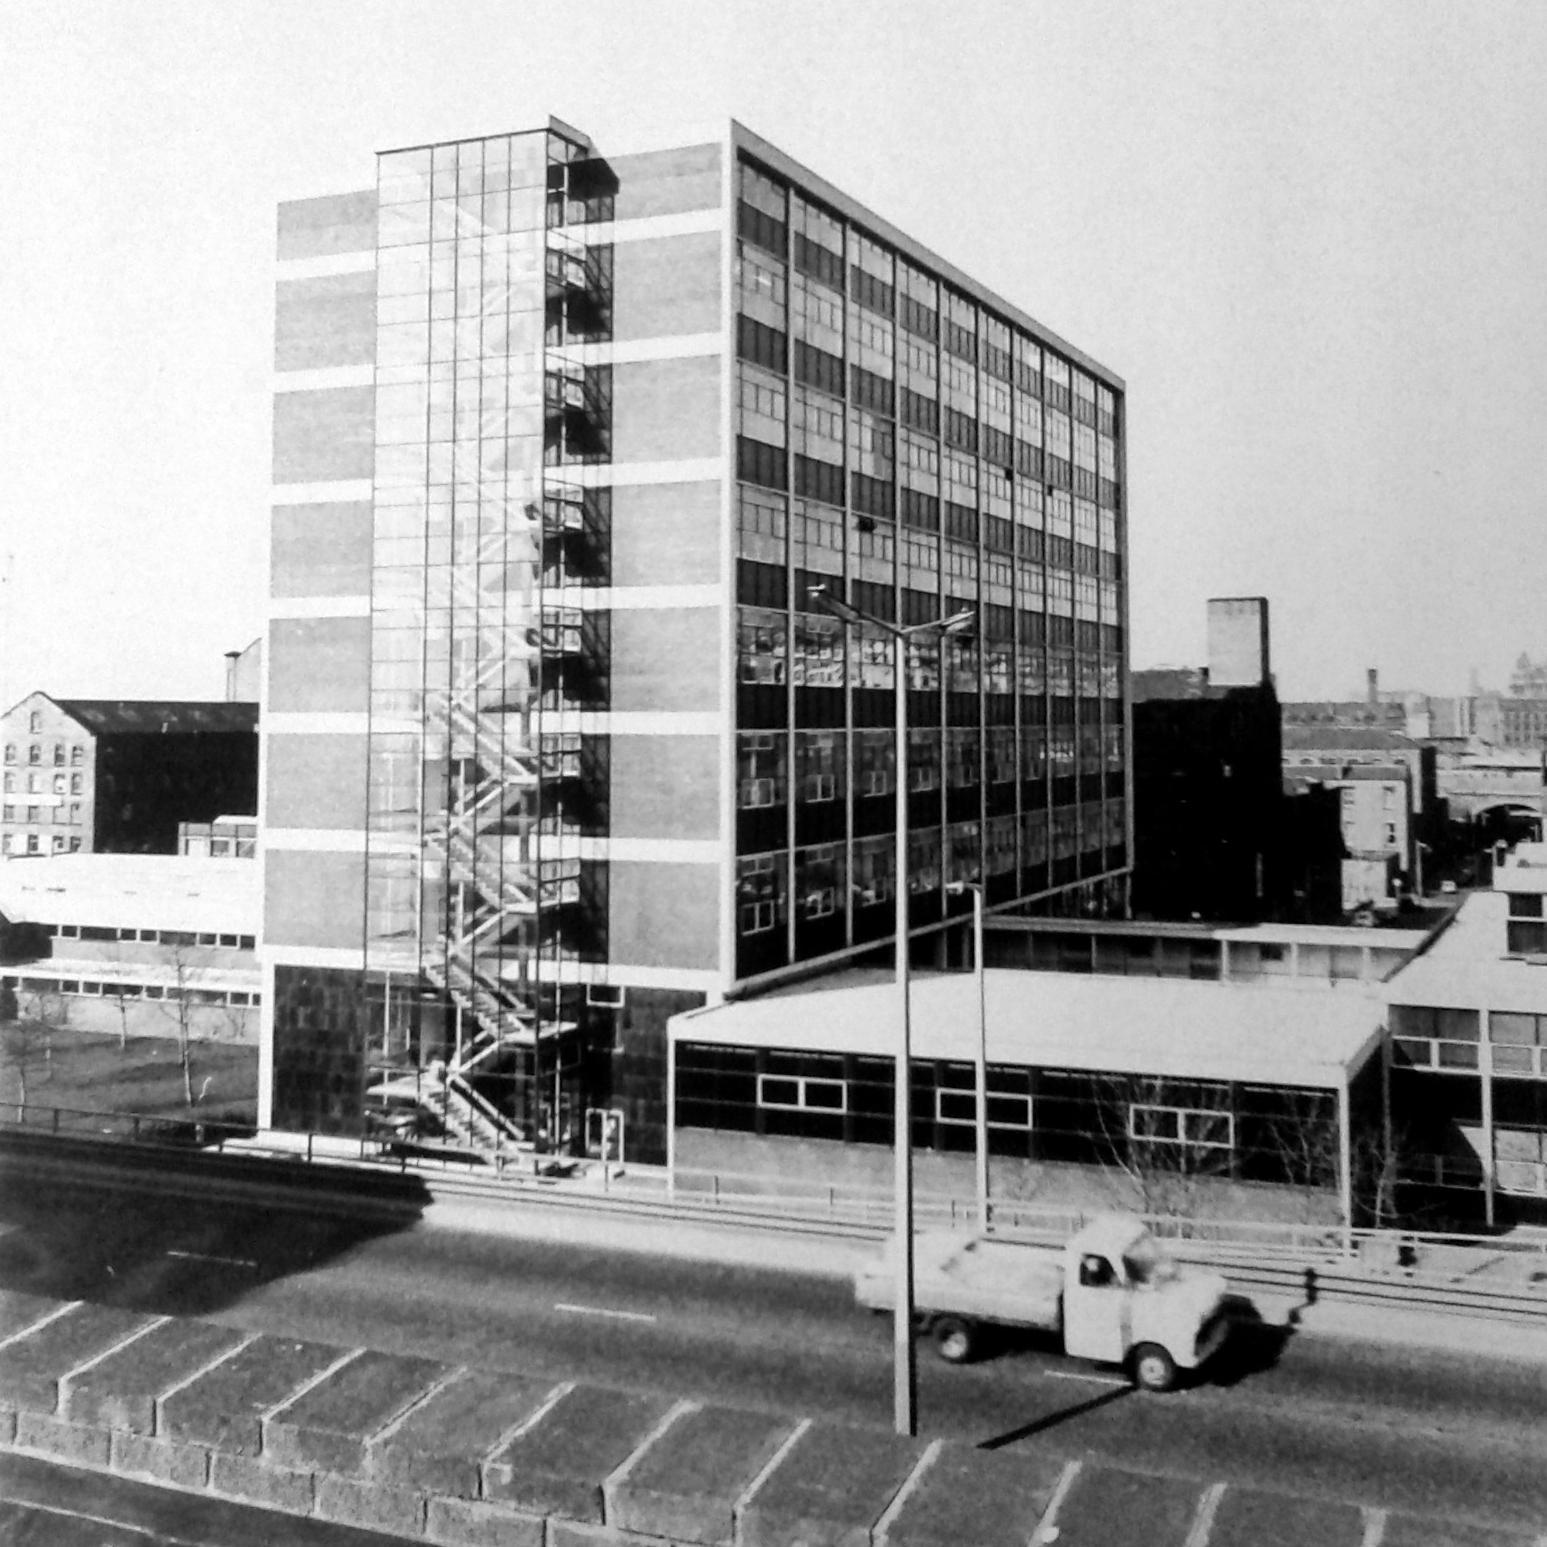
column 1254, row 1345
column 1052, row 1420
column 182, row 1235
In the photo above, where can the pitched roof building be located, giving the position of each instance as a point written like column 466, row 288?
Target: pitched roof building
column 89, row 775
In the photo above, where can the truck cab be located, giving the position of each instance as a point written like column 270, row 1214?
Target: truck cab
column 1126, row 1302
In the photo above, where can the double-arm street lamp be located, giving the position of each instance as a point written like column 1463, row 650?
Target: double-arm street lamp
column 905, row 1374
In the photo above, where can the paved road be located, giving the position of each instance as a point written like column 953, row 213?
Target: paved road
column 1429, row 1432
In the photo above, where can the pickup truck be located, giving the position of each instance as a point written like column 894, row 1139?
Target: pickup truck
column 1110, row 1291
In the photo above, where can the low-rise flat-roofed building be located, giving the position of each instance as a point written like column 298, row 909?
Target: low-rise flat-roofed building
column 1089, row 1079
column 1468, row 1022
column 117, row 936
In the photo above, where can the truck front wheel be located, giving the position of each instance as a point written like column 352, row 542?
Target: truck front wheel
column 954, row 1340
column 1153, row 1368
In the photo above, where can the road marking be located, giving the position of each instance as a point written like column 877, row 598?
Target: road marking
column 230, row 1262
column 601, row 1310
column 1203, row 1520
column 1100, row 1380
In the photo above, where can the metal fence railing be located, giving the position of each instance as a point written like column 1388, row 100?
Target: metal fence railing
column 1491, row 1274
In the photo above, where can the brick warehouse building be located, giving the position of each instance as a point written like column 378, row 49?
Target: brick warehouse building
column 86, row 776
column 555, row 746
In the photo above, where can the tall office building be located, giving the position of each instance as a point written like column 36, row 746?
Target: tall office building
column 556, row 743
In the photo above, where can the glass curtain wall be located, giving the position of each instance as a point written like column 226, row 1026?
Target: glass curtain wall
column 453, row 891
column 903, row 446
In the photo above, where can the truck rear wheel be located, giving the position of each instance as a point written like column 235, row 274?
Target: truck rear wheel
column 1153, row 1368
column 954, row 1339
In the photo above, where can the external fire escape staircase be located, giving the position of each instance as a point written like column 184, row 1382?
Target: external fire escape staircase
column 494, row 894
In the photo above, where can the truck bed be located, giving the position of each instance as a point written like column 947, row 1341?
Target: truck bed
column 1010, row 1283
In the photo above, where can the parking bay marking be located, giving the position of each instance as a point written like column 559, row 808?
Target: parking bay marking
column 1100, row 1380
column 230, row 1262
column 601, row 1310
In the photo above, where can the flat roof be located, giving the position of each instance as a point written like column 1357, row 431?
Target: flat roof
column 134, row 891
column 1381, row 937
column 1466, row 968
column 1177, row 1028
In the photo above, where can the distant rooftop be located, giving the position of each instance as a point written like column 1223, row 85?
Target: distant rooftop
column 1344, row 738
column 1343, row 772
column 131, row 716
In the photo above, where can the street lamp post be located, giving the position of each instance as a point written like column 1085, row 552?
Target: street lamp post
column 905, row 1370
column 980, row 1057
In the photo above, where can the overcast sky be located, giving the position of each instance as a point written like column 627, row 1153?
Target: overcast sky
column 1312, row 238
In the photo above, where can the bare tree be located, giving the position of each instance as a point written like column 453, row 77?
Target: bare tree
column 1164, row 1147
column 27, row 1036
column 20, row 1040
column 1301, row 1138
column 1378, row 1162
column 180, row 1006
column 51, row 1011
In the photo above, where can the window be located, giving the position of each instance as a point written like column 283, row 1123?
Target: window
column 1433, row 1038
column 59, row 784
column 77, row 756
column 58, row 754
column 960, row 1107
column 801, row 1092
column 1187, row 1127
column 10, row 751
column 874, row 867
column 819, row 765
column 35, row 722
column 761, row 774
column 34, row 753
column 760, row 893
column 75, row 784
column 762, row 646
column 759, row 278
column 818, row 878
column 1519, row 1044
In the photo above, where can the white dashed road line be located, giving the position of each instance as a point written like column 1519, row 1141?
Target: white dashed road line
column 601, row 1310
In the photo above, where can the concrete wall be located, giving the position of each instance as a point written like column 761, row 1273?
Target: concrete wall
column 667, row 285
column 663, row 410
column 317, row 781
column 1038, row 1184
column 666, row 534
column 324, row 434
column 320, row 550
column 667, row 182
column 314, row 899
column 662, row 914
column 324, row 321
column 326, row 226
